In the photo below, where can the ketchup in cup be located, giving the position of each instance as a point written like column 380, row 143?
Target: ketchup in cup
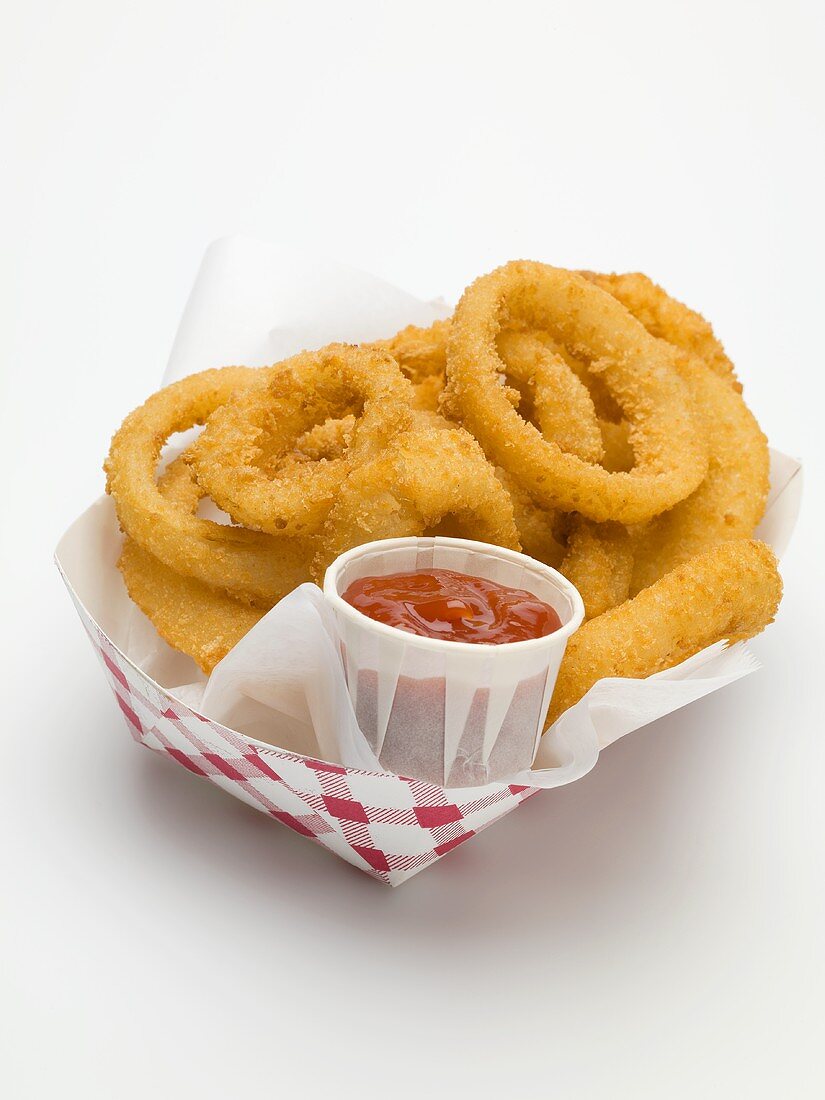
column 440, row 603
column 450, row 649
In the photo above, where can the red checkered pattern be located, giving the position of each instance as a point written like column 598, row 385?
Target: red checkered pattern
column 383, row 824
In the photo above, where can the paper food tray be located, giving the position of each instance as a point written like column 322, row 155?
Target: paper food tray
column 255, row 304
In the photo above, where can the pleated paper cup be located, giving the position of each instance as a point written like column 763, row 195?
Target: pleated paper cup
column 454, row 713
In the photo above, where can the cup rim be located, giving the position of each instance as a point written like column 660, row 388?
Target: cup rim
column 341, row 607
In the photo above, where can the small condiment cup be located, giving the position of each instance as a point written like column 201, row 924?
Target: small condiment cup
column 454, row 713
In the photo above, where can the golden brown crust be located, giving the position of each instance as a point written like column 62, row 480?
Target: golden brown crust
column 236, row 456
column 555, row 398
column 192, row 617
column 730, row 502
column 421, row 353
column 599, row 562
column 670, row 450
column 668, row 319
column 731, row 592
column 243, row 562
column 618, row 448
column 427, row 476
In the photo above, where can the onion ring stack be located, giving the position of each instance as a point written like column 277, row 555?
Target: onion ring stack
column 590, row 420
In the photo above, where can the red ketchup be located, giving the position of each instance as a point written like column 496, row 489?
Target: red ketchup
column 440, row 603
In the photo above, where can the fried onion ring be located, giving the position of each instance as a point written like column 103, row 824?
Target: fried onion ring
column 200, row 621
column 421, row 353
column 192, row 617
column 668, row 319
column 431, row 479
column 535, row 525
column 236, row 457
column 599, row 562
column 327, row 440
column 561, row 406
column 730, row 592
column 245, row 563
column 668, row 444
column 731, row 500
column 552, row 395
column 599, row 557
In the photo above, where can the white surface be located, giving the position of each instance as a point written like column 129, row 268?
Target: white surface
column 644, row 932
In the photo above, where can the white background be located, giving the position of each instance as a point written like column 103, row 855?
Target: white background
column 653, row 930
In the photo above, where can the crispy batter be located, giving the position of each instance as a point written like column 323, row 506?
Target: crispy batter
column 731, row 592
column 618, row 449
column 599, row 557
column 668, row 443
column 422, row 355
column 242, row 562
column 236, row 456
column 199, row 620
column 192, row 617
column 551, row 394
column 430, row 480
column 731, row 500
column 329, row 439
column 668, row 319
column 536, row 526
column 599, row 562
